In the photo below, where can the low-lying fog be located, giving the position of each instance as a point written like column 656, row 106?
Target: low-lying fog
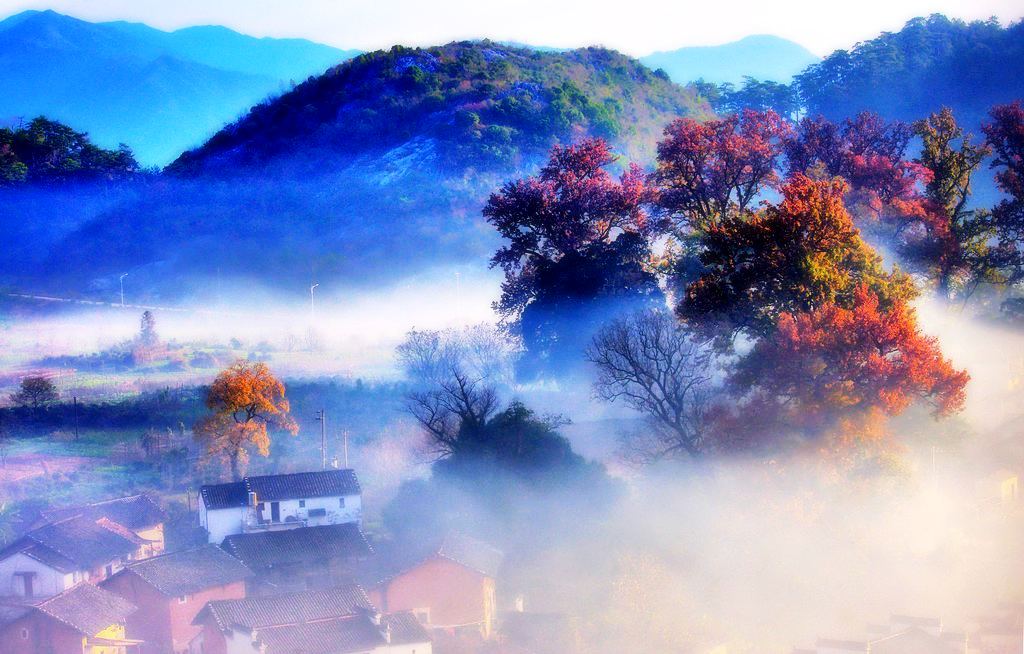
column 769, row 553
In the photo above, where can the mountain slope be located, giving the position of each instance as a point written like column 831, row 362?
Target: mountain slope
column 932, row 62
column 155, row 91
column 762, row 57
column 479, row 104
column 371, row 172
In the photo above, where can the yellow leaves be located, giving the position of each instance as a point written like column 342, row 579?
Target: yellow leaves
column 245, row 399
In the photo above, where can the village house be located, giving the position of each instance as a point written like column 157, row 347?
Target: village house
column 275, row 502
column 450, row 587
column 139, row 513
column 54, row 557
column 902, row 635
column 81, row 620
column 170, row 590
column 300, row 559
column 331, row 621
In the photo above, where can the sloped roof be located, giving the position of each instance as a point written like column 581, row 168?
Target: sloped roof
column 471, row 553
column 134, row 511
column 405, row 628
column 288, row 608
column 340, row 636
column 268, row 549
column 86, row 608
column 189, row 571
column 466, row 551
column 273, row 488
column 76, row 543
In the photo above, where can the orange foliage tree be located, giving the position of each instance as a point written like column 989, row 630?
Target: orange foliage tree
column 833, row 362
column 793, row 257
column 244, row 400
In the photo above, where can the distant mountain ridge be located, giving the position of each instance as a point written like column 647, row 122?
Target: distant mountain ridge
column 761, row 56
column 159, row 92
column 375, row 170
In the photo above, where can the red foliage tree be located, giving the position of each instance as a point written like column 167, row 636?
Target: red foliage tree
column 574, row 207
column 713, row 170
column 793, row 257
column 834, row 361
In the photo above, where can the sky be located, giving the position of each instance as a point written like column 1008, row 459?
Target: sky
column 636, row 27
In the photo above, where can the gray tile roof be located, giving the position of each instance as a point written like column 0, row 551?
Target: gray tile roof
column 471, row 553
column 405, row 628
column 189, row 571
column 341, row 636
column 134, row 512
column 263, row 551
column 272, row 488
column 466, row 551
column 76, row 543
column 86, row 608
column 289, row 608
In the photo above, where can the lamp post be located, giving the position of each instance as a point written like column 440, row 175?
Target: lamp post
column 121, row 281
column 321, row 416
column 312, row 306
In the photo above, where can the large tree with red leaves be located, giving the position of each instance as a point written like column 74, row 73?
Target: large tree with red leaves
column 833, row 361
column 576, row 242
column 710, row 171
column 792, row 257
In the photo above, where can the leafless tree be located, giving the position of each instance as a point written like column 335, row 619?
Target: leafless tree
column 454, row 374
column 648, row 361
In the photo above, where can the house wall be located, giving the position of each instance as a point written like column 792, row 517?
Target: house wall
column 210, row 639
column 411, row 648
column 220, row 523
column 182, row 629
column 455, row 595
column 164, row 622
column 46, row 635
column 47, row 581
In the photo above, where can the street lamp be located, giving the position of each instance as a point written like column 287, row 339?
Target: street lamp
column 312, row 307
column 121, row 280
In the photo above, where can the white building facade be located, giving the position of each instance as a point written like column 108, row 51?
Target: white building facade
column 270, row 502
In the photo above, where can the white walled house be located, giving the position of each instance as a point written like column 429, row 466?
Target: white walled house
column 54, row 557
column 272, row 502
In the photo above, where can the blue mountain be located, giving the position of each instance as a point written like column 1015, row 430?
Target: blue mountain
column 764, row 57
column 159, row 92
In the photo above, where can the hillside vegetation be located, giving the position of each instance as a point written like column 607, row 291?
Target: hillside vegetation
column 930, row 63
column 375, row 170
column 475, row 104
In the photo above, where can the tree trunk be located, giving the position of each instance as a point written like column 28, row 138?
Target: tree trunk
column 236, row 475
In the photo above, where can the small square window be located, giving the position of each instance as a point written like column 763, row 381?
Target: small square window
column 24, row 634
column 302, row 504
column 183, row 599
column 341, row 502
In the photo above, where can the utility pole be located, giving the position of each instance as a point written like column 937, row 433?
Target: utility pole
column 344, row 437
column 321, row 415
column 121, row 280
column 312, row 306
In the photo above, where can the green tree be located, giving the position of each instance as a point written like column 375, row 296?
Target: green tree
column 35, row 393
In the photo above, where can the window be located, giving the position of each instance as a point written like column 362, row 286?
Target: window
column 24, row 633
column 341, row 502
column 302, row 504
column 183, row 599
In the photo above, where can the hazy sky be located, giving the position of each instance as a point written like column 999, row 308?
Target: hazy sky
column 636, row 27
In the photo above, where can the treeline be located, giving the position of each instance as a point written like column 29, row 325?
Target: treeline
column 48, row 152
column 785, row 321
column 931, row 62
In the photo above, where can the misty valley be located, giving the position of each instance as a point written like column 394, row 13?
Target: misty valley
column 487, row 346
